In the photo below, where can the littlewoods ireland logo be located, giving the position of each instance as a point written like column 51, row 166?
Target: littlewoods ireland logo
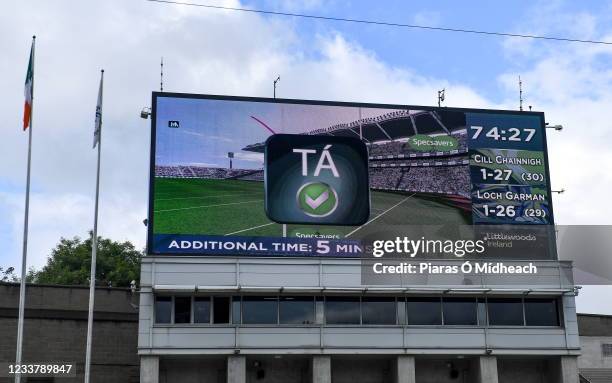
column 317, row 199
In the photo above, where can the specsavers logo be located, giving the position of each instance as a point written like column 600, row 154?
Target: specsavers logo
column 317, row 199
column 424, row 143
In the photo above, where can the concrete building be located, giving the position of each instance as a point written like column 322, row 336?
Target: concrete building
column 595, row 362
column 55, row 331
column 238, row 320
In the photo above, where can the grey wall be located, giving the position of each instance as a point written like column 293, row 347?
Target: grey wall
column 592, row 356
column 56, row 327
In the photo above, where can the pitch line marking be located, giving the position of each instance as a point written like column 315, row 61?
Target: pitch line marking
column 201, row 207
column 250, row 228
column 380, row 215
column 201, row 197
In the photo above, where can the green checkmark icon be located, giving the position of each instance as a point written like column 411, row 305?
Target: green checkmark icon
column 317, row 199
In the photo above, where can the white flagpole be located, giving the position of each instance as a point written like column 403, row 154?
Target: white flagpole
column 22, row 284
column 94, row 244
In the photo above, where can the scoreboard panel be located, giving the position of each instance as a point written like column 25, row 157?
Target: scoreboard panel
column 481, row 170
column 508, row 169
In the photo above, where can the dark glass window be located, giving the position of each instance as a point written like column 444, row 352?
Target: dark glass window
column 221, row 310
column 424, row 311
column 182, row 309
column 236, row 310
column 378, row 311
column 296, row 310
column 482, row 312
column 541, row 312
column 401, row 311
column 319, row 310
column 259, row 310
column 459, row 311
column 342, row 310
column 505, row 312
column 163, row 309
column 201, row 310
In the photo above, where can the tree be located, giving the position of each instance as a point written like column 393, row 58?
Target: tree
column 118, row 263
column 8, row 275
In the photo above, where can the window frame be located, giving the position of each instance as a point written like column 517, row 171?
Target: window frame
column 325, row 320
column 210, row 310
column 439, row 298
column 155, row 309
column 474, row 301
column 393, row 299
column 320, row 303
column 558, row 308
column 522, row 300
column 259, row 324
column 314, row 311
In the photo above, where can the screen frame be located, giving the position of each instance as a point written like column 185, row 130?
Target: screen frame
column 152, row 150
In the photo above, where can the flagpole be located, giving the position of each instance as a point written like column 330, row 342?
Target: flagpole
column 22, row 284
column 94, row 249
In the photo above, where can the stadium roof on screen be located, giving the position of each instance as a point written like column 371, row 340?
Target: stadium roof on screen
column 390, row 126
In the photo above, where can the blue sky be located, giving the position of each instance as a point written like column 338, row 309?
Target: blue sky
column 223, row 52
column 472, row 59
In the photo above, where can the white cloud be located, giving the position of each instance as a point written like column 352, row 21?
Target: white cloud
column 570, row 82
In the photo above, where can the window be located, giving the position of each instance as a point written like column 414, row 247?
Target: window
column 378, row 311
column 236, row 310
column 482, row 312
column 459, row 311
column 221, row 310
column 541, row 312
column 606, row 349
column 259, row 310
column 163, row 309
column 424, row 311
column 296, row 310
column 201, row 310
column 319, row 310
column 354, row 310
column 182, row 309
column 505, row 312
column 341, row 310
column 401, row 311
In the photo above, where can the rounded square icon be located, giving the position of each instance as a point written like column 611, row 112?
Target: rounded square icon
column 311, row 179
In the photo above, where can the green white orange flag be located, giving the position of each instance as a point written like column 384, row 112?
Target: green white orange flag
column 29, row 90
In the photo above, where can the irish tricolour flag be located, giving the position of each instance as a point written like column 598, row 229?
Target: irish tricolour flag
column 29, row 90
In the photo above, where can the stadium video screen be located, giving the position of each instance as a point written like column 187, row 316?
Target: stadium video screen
column 426, row 166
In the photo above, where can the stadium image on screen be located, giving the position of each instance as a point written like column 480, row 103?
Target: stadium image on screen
column 427, row 166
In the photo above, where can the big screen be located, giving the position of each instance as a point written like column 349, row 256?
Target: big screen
column 427, row 166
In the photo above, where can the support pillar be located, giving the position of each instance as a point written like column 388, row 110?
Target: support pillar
column 487, row 369
column 568, row 369
column 236, row 369
column 321, row 369
column 149, row 369
column 405, row 369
